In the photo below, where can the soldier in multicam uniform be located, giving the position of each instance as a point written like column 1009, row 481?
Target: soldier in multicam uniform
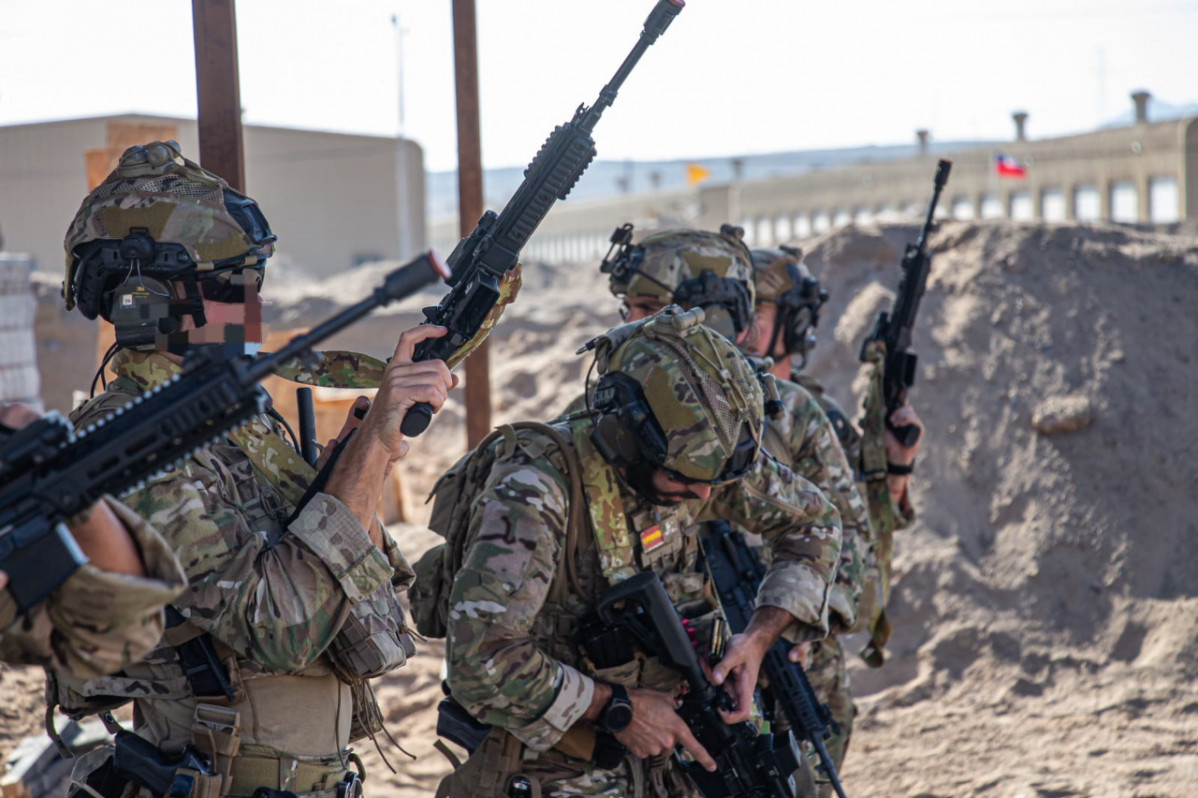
column 108, row 614
column 291, row 605
column 673, row 438
column 663, row 268
column 788, row 300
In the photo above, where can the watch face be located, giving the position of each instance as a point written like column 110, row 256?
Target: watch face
column 617, row 717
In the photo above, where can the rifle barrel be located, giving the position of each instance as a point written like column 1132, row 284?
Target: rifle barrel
column 402, row 282
column 655, row 25
column 943, row 167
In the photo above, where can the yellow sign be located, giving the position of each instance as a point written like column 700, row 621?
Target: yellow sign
column 696, row 174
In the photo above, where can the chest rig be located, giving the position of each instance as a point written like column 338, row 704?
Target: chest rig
column 265, row 478
column 619, row 545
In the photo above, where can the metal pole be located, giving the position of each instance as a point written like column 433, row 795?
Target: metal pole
column 470, row 199
column 218, row 92
column 400, row 32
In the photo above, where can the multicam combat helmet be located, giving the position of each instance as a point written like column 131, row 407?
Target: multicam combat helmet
column 693, row 268
column 164, row 218
column 674, row 394
column 783, row 279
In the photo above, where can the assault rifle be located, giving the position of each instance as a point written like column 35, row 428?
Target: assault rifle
column 481, row 259
column 894, row 329
column 747, row 763
column 49, row 473
column 737, row 571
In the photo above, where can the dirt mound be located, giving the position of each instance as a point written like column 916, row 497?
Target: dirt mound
column 1048, row 586
column 1054, row 371
column 1044, row 603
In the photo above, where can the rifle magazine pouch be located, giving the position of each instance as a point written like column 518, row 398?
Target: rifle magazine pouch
column 490, row 770
column 215, row 733
column 92, row 776
column 374, row 638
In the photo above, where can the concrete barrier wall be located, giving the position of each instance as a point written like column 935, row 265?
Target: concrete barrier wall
column 1144, row 174
column 19, row 380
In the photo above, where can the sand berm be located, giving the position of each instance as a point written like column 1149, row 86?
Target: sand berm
column 1045, row 603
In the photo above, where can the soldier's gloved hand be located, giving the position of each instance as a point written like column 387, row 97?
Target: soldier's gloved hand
column 899, row 455
column 656, row 728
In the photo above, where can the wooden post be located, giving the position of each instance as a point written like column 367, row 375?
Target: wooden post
column 470, row 199
column 218, row 91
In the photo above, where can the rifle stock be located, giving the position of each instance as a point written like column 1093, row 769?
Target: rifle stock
column 50, row 472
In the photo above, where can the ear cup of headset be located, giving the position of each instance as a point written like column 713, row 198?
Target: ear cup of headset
column 627, row 432
column 615, row 441
column 138, row 309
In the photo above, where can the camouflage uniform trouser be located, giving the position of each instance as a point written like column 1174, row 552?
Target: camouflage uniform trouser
column 829, row 678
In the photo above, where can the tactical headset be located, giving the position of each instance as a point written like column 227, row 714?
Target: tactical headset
column 704, row 291
column 628, row 435
column 798, row 310
column 128, row 281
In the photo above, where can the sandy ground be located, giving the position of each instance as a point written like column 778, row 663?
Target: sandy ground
column 1046, row 601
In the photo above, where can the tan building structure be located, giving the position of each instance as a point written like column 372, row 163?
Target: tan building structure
column 1145, row 173
column 335, row 200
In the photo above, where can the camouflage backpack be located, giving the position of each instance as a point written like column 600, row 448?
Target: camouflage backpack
column 454, row 497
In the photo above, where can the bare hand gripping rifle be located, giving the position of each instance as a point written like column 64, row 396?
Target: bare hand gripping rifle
column 49, row 473
column 747, row 763
column 736, row 571
column 481, row 259
column 894, row 329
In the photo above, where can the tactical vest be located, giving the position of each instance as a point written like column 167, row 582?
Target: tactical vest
column 603, row 544
column 270, row 712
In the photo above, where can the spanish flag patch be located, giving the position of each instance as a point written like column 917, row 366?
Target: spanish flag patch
column 651, row 538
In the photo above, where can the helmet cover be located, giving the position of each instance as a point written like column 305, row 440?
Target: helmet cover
column 700, row 392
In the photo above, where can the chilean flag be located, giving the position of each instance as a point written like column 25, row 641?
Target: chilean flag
column 1006, row 166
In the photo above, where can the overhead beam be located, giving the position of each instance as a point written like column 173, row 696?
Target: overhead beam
column 218, row 90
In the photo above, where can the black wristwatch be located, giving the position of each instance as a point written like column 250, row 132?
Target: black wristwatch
column 618, row 713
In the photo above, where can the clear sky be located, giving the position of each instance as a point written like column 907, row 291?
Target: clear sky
column 730, row 76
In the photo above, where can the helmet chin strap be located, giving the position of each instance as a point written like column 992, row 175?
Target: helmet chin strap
column 777, row 334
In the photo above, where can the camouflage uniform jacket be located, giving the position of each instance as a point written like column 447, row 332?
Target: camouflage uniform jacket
column 902, row 515
column 804, row 439
column 514, row 661
column 272, row 596
column 97, row 622
column 886, row 515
